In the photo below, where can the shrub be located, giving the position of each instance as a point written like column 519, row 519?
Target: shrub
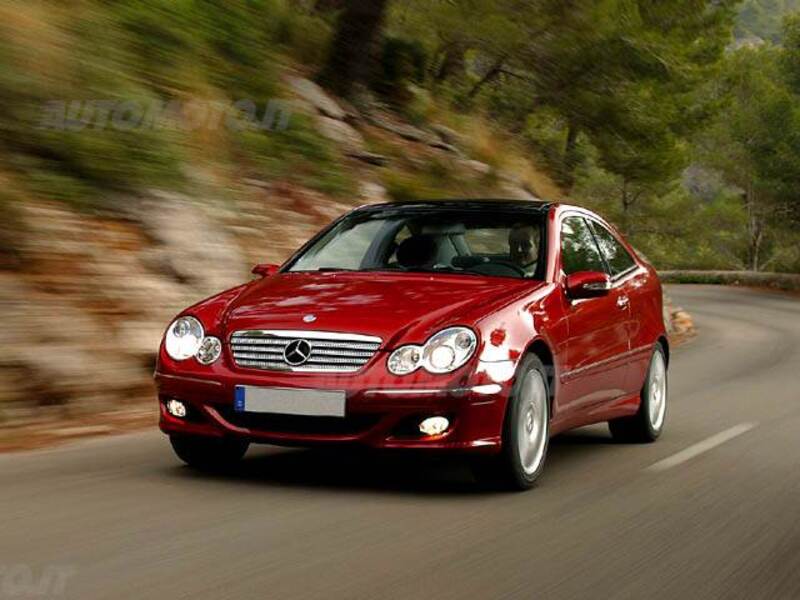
column 306, row 36
column 436, row 179
column 71, row 164
column 297, row 154
column 172, row 45
column 402, row 63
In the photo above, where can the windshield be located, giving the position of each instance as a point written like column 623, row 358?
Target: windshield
column 501, row 244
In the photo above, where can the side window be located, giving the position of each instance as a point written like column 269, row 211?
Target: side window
column 578, row 247
column 617, row 257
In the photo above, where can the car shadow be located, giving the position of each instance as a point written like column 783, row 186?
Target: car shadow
column 347, row 469
column 393, row 472
column 577, row 445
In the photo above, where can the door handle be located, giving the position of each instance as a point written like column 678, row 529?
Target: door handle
column 622, row 302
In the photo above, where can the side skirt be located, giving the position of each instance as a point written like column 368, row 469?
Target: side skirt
column 622, row 407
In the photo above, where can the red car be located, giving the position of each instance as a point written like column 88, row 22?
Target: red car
column 484, row 327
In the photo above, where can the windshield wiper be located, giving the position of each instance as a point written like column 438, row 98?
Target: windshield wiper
column 332, row 270
column 437, row 269
column 364, row 270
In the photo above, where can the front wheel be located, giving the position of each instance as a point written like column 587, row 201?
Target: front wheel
column 526, row 431
column 648, row 423
column 206, row 453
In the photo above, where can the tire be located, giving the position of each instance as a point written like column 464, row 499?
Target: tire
column 208, row 454
column 526, row 432
column 647, row 424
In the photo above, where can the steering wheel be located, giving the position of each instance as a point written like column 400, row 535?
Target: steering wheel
column 491, row 268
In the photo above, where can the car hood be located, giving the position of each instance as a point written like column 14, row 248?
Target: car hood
column 390, row 306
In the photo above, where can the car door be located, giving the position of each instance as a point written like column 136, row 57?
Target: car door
column 598, row 338
column 632, row 280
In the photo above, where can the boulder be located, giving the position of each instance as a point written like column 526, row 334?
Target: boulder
column 447, row 135
column 341, row 133
column 314, row 95
column 476, row 166
column 379, row 160
column 372, row 192
column 445, row 146
column 403, row 130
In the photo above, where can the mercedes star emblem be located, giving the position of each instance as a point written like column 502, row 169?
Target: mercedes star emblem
column 297, row 352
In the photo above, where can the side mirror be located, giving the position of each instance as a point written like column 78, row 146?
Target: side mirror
column 587, row 284
column 265, row 270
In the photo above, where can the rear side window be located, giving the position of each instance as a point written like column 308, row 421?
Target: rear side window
column 578, row 247
column 617, row 257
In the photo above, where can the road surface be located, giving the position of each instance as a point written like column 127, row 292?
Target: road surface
column 710, row 511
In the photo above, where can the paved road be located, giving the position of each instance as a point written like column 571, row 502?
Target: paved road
column 719, row 520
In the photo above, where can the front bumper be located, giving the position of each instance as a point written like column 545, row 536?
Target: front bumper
column 380, row 413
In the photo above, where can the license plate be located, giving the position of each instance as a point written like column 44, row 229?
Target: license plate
column 307, row 403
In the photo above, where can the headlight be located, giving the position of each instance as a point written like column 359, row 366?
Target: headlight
column 448, row 350
column 443, row 353
column 405, row 360
column 184, row 338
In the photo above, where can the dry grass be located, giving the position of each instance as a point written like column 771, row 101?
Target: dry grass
column 502, row 151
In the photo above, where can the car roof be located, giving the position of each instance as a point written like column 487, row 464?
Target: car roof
column 456, row 204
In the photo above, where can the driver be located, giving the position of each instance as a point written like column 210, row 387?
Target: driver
column 522, row 247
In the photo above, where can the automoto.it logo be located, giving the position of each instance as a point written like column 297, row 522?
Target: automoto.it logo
column 25, row 581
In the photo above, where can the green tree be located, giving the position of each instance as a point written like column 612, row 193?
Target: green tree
column 494, row 30
column 623, row 73
column 754, row 141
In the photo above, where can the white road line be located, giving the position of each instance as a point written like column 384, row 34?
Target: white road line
column 700, row 447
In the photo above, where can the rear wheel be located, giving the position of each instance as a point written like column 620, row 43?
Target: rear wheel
column 648, row 423
column 206, row 453
column 526, row 432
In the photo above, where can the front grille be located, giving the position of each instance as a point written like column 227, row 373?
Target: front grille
column 324, row 353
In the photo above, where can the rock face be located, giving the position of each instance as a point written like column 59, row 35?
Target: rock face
column 186, row 237
column 62, row 355
column 86, row 318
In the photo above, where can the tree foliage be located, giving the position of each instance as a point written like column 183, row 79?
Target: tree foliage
column 754, row 141
column 616, row 98
column 762, row 19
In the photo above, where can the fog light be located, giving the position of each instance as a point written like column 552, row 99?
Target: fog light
column 176, row 408
column 434, row 425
